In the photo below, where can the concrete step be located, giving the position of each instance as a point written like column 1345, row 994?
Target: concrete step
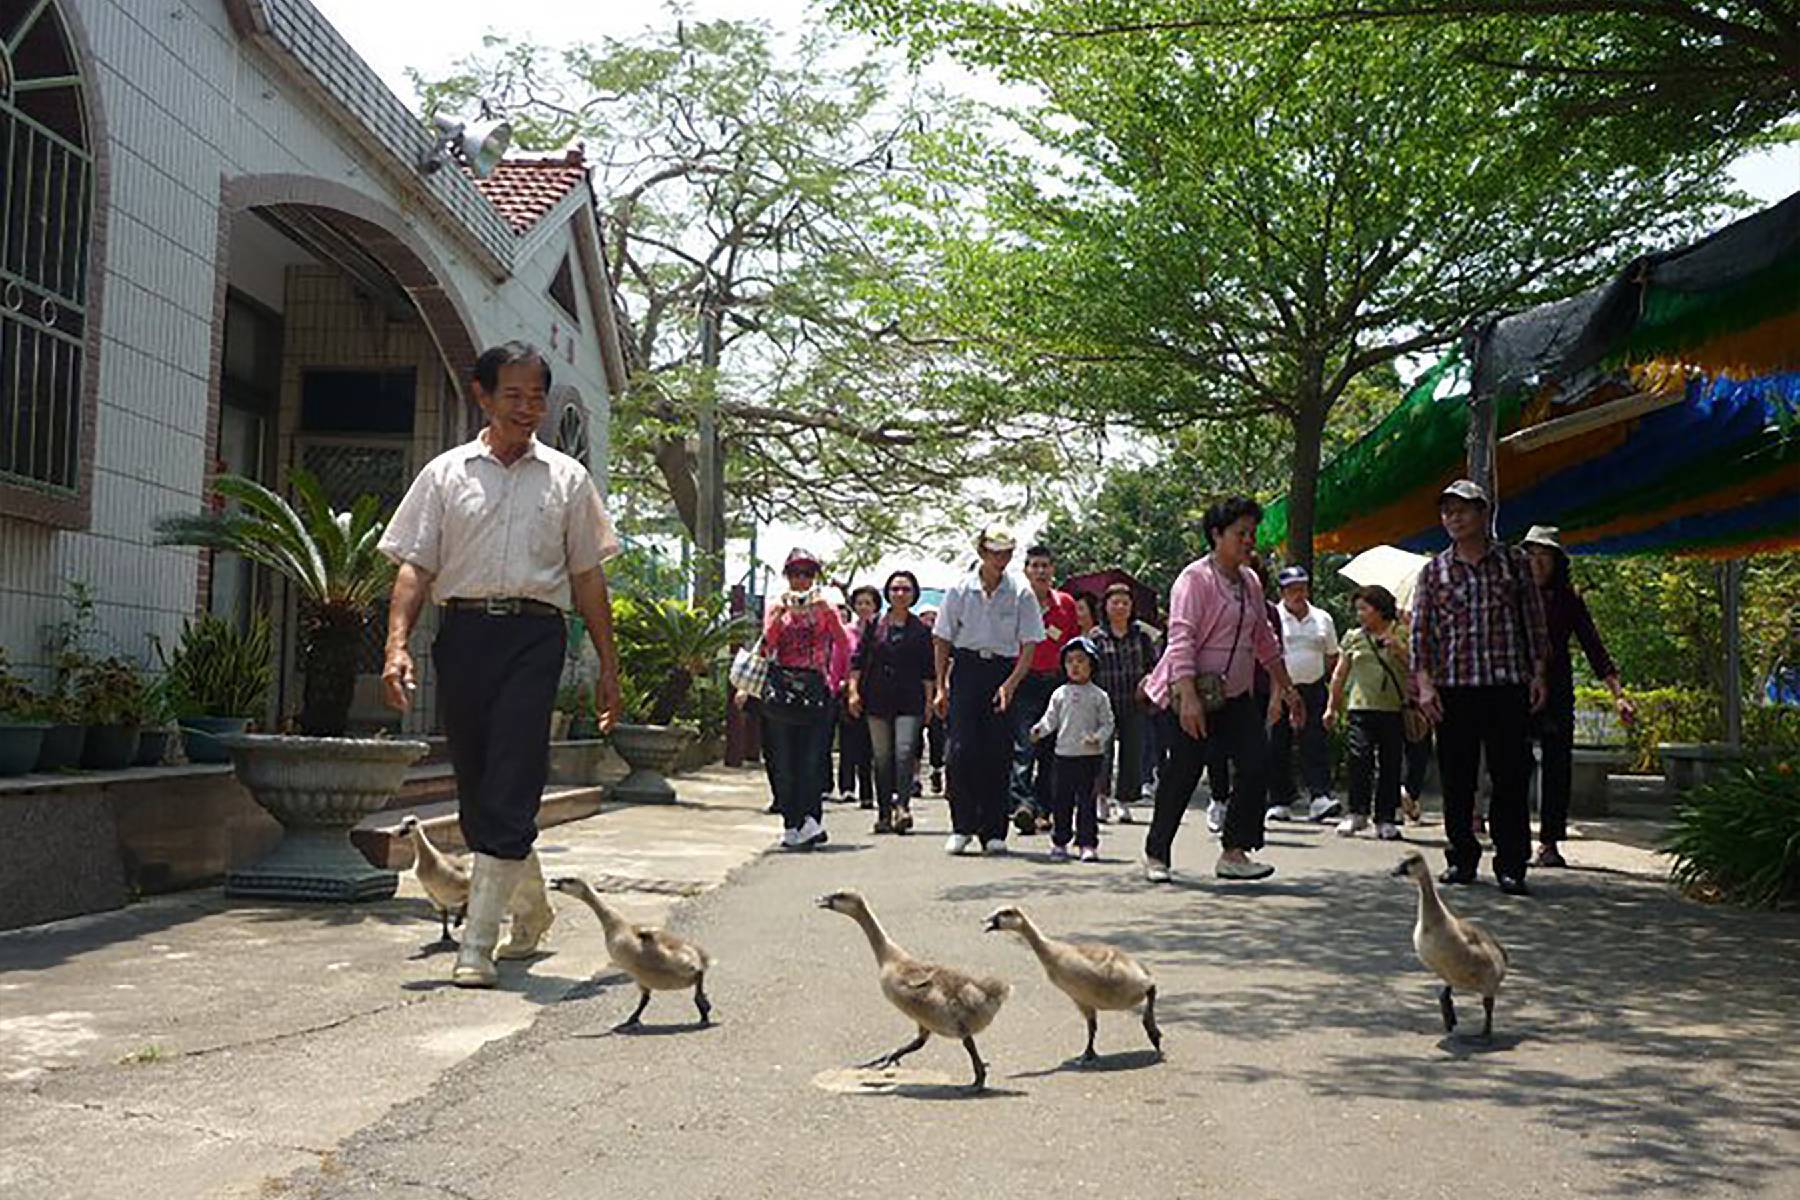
column 385, row 845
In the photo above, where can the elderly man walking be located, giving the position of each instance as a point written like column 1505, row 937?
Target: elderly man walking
column 986, row 630
column 504, row 533
column 1479, row 653
column 1309, row 646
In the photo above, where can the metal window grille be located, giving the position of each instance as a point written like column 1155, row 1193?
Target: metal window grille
column 46, row 202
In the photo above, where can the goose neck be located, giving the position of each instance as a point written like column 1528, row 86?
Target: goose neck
column 1431, row 905
column 885, row 950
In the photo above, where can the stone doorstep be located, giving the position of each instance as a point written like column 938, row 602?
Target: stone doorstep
column 382, row 842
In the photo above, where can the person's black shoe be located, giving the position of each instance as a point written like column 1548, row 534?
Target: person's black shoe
column 1512, row 885
column 937, row 781
column 1452, row 875
column 1024, row 820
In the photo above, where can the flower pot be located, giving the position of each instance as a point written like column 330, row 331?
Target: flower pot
column 200, row 737
column 109, row 747
column 20, row 744
column 318, row 788
column 61, row 750
column 153, row 747
column 559, row 725
column 650, row 751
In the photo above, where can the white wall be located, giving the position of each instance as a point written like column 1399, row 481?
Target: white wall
column 186, row 105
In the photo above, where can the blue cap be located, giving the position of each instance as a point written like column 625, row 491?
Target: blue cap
column 1082, row 644
column 1294, row 574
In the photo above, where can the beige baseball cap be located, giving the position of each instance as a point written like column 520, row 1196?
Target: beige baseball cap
column 996, row 537
column 1467, row 489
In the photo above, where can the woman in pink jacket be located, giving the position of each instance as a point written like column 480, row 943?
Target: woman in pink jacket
column 1204, row 687
column 804, row 637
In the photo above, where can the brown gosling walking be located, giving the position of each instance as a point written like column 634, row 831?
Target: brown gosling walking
column 656, row 959
column 937, row 999
column 1459, row 951
column 446, row 881
column 1097, row 978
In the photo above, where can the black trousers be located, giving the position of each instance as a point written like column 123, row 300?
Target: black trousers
column 1236, row 735
column 936, row 742
column 1375, row 742
column 1418, row 762
column 798, row 752
column 1218, row 763
column 1072, row 800
column 497, row 680
column 1032, row 761
column 1495, row 720
column 856, row 758
column 980, row 747
column 1314, row 742
column 1554, row 730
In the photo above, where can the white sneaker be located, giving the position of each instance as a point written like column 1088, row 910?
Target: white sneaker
column 1248, row 868
column 811, row 833
column 1215, row 817
column 790, row 838
column 1352, row 825
column 1387, row 832
column 956, row 843
column 1322, row 808
column 1123, row 815
column 1103, row 810
column 1155, row 870
column 996, row 846
column 1279, row 812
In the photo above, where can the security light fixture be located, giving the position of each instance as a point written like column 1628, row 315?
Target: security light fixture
column 479, row 144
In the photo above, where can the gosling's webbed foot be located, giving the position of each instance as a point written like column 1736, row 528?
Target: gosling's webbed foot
column 627, row 1024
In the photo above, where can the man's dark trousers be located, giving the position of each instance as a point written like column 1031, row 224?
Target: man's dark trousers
column 980, row 749
column 497, row 678
column 1496, row 719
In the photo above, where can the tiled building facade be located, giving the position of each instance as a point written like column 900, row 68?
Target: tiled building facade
column 268, row 275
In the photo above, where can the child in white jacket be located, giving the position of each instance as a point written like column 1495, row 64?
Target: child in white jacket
column 1080, row 718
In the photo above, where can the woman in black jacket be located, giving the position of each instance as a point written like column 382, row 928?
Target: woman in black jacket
column 891, row 681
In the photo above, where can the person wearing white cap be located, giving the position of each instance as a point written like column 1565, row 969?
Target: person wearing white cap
column 1565, row 614
column 987, row 628
column 1479, row 655
column 1309, row 646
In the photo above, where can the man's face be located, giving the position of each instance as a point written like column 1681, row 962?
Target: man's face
column 995, row 560
column 1038, row 569
column 515, row 408
column 1463, row 519
column 1295, row 595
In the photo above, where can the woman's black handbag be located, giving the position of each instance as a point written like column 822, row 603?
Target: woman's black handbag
column 795, row 694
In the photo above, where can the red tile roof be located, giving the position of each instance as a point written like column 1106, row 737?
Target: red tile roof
column 526, row 189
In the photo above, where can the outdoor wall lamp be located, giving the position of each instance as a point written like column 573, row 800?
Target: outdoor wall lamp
column 479, row 144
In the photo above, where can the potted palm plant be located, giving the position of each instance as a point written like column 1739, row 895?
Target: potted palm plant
column 321, row 782
column 21, row 729
column 217, row 681
column 664, row 645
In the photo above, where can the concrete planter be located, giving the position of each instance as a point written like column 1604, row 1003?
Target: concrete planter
column 1687, row 765
column 651, row 751
column 200, row 737
column 20, row 744
column 318, row 788
column 1590, row 769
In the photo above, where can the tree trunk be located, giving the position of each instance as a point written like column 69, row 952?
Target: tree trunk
column 1303, row 478
column 677, row 469
column 330, row 644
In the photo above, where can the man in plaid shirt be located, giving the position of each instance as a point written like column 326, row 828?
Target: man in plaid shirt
column 1479, row 652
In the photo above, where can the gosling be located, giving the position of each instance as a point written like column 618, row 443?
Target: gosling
column 656, row 959
column 937, row 999
column 1459, row 951
column 446, row 881
column 1097, row 978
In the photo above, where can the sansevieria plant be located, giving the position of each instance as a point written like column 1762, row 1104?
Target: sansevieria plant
column 330, row 557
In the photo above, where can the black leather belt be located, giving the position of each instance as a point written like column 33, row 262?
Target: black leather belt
column 503, row 606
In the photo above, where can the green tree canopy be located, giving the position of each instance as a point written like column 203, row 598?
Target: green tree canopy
column 1242, row 222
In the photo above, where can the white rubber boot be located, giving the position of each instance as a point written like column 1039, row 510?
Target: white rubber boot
column 532, row 915
column 493, row 882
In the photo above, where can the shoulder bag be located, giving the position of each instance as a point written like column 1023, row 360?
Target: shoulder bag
column 749, row 670
column 1211, row 684
column 1412, row 717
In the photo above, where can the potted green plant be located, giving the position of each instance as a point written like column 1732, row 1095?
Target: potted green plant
column 664, row 645
column 320, row 783
column 159, row 715
column 66, row 737
column 216, row 682
column 110, row 695
column 21, row 730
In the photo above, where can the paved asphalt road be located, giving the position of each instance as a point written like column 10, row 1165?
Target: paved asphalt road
column 1646, row 1047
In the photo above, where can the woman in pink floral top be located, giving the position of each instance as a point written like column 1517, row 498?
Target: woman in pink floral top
column 1218, row 626
column 802, row 631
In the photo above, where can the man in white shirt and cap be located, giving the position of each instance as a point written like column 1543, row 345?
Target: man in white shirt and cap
column 504, row 534
column 1310, row 648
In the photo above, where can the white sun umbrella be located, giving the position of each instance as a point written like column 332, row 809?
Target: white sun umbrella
column 1390, row 567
